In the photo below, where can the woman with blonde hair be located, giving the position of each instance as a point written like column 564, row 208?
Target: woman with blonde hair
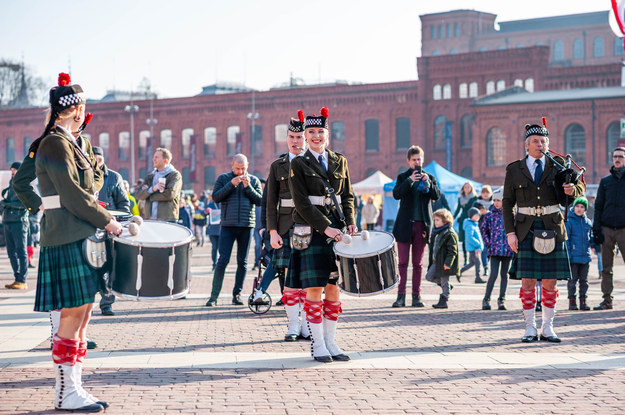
column 65, row 281
column 466, row 199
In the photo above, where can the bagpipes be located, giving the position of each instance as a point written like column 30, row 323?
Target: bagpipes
column 565, row 175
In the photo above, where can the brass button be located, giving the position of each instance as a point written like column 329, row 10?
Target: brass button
column 538, row 197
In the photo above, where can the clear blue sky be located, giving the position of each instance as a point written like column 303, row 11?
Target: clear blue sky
column 183, row 45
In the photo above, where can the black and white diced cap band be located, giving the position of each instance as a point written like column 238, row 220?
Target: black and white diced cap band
column 73, row 99
column 314, row 122
column 536, row 130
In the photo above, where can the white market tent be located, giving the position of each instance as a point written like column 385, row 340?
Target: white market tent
column 373, row 184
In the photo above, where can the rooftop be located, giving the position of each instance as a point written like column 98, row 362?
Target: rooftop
column 521, row 96
column 555, row 22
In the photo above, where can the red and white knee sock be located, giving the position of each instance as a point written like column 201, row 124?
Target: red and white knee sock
column 64, row 351
column 331, row 311
column 550, row 298
column 528, row 298
column 291, row 306
column 314, row 319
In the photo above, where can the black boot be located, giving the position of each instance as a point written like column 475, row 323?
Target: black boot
column 501, row 304
column 401, row 301
column 416, row 301
column 485, row 304
column 479, row 280
column 442, row 302
column 582, row 304
column 573, row 303
column 604, row 305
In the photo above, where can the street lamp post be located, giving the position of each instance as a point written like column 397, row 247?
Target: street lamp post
column 253, row 116
column 132, row 109
column 151, row 122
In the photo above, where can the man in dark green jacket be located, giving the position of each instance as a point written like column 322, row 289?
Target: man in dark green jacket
column 15, row 224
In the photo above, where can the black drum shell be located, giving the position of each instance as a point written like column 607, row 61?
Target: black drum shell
column 368, row 273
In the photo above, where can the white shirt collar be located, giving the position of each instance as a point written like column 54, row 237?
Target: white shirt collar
column 324, row 155
column 292, row 156
column 66, row 131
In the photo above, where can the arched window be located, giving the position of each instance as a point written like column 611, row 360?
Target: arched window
column 433, row 32
column 612, row 136
column 558, row 50
column 123, row 146
column 144, row 136
column 166, row 139
column 10, row 151
column 447, row 91
column 463, row 90
column 495, row 147
column 501, row 85
column 578, row 49
column 372, row 135
column 518, row 82
column 185, row 139
column 210, row 141
column 529, row 84
column 209, row 176
column 618, row 46
column 575, row 142
column 186, row 179
column 597, row 47
column 473, row 90
column 490, row 87
column 103, row 142
column 439, row 132
column 402, row 133
column 466, row 131
column 256, row 137
column 436, row 92
column 280, row 132
column 337, row 136
column 233, row 138
column 456, row 30
column 449, row 30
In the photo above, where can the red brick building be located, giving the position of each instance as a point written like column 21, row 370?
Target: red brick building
column 467, row 110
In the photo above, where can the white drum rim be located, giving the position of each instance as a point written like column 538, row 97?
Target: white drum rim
column 369, row 294
column 367, row 255
column 145, row 298
column 116, row 213
column 143, row 244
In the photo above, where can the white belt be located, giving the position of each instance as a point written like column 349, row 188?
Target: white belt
column 322, row 200
column 287, row 203
column 51, row 202
column 540, row 210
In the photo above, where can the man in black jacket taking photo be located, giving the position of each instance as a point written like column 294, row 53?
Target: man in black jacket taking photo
column 238, row 192
column 609, row 222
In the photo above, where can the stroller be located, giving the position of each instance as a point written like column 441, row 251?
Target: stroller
column 262, row 305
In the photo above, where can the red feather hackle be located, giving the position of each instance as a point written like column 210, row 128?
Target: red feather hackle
column 325, row 112
column 88, row 118
column 64, row 79
column 544, row 122
column 300, row 115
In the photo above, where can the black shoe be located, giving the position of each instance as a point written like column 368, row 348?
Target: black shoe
column 485, row 305
column 458, row 277
column 236, row 300
column 341, row 357
column 416, row 301
column 323, row 359
column 91, row 344
column 211, row 303
column 539, row 307
column 94, row 407
column 552, row 339
column 401, row 301
column 31, row 266
column 604, row 305
column 442, row 302
column 478, row 280
column 582, row 304
column 529, row 339
column 290, row 337
column 501, row 305
column 107, row 311
column 280, row 302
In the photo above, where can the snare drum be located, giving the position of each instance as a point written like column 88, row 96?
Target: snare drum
column 367, row 267
column 153, row 265
column 120, row 215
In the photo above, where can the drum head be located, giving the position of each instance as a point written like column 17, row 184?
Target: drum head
column 377, row 242
column 156, row 234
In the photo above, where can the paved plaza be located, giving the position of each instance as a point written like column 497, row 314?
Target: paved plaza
column 182, row 357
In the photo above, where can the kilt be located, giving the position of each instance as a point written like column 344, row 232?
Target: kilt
column 528, row 263
column 64, row 279
column 312, row 266
column 280, row 259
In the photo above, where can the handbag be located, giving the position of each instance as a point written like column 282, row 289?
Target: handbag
column 544, row 241
column 94, row 250
column 301, row 236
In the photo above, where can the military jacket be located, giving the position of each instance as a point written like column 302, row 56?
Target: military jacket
column 520, row 190
column 63, row 170
column 279, row 218
column 306, row 179
column 26, row 174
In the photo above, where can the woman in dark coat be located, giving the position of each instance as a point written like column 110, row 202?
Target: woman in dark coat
column 466, row 200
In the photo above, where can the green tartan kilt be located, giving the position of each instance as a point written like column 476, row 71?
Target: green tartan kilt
column 64, row 279
column 530, row 264
column 280, row 258
column 312, row 266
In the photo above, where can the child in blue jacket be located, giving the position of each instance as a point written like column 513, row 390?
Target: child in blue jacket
column 473, row 243
column 579, row 230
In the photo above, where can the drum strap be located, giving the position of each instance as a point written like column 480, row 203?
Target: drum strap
column 170, row 275
column 335, row 201
column 139, row 268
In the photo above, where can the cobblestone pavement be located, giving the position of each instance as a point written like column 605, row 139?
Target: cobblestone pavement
column 182, row 357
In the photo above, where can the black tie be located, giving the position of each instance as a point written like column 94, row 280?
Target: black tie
column 539, row 171
column 323, row 166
